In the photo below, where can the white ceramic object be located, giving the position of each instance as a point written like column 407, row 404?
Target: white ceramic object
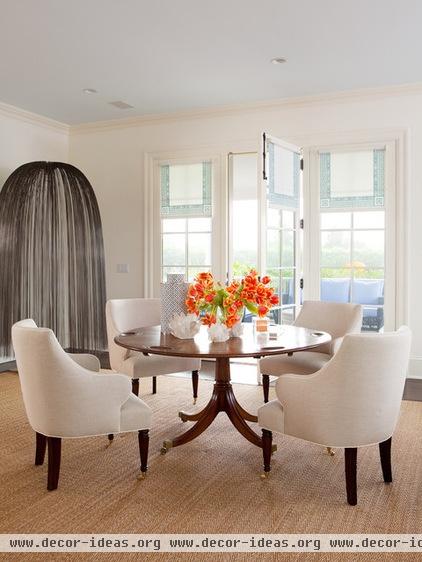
column 184, row 326
column 218, row 332
column 237, row 330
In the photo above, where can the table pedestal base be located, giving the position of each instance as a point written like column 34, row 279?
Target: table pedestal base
column 222, row 400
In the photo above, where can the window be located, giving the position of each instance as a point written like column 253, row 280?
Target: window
column 352, row 231
column 186, row 223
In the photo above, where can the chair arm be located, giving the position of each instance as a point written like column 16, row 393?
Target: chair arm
column 86, row 360
column 335, row 345
column 303, row 406
column 111, row 387
column 90, row 404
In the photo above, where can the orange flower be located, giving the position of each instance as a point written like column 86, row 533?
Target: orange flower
column 208, row 319
column 210, row 297
column 192, row 291
column 274, row 299
column 199, row 289
column 191, row 306
column 231, row 321
column 204, row 276
column 262, row 310
column 265, row 280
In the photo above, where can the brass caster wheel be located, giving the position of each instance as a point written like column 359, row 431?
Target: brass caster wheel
column 183, row 417
column 264, row 475
column 330, row 452
column 141, row 476
column 194, row 400
column 166, row 446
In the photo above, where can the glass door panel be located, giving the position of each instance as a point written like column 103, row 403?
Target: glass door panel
column 243, row 214
column 282, row 211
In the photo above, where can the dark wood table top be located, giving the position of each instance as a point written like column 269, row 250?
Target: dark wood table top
column 289, row 339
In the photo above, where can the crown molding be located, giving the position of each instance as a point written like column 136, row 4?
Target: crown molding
column 33, row 118
column 268, row 105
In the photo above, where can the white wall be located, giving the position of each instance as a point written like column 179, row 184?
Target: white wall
column 25, row 138
column 113, row 159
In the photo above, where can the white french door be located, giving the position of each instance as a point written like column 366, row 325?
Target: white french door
column 265, row 206
column 281, row 214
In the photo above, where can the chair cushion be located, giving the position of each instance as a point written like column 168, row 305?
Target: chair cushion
column 135, row 414
column 300, row 363
column 271, row 416
column 335, row 290
column 368, row 291
column 138, row 365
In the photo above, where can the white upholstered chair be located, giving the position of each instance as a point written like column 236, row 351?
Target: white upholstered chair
column 353, row 401
column 338, row 319
column 123, row 315
column 64, row 397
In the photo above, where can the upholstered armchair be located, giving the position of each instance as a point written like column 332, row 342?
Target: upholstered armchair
column 338, row 319
column 353, row 401
column 124, row 315
column 65, row 398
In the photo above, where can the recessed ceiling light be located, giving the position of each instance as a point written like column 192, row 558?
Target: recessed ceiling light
column 121, row 104
column 278, row 60
column 89, row 91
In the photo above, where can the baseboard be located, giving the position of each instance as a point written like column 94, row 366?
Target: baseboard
column 7, row 366
column 413, row 390
column 415, row 368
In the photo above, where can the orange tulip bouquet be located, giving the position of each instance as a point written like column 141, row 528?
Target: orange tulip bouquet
column 216, row 304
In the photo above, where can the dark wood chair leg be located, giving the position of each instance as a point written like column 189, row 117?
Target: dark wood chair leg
column 135, row 386
column 143, row 440
column 350, row 464
column 54, row 455
column 154, row 385
column 41, row 444
column 267, row 439
column 385, row 456
column 110, row 438
column 195, row 378
column 266, row 387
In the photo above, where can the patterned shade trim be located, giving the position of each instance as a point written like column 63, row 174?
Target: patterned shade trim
column 327, row 201
column 201, row 210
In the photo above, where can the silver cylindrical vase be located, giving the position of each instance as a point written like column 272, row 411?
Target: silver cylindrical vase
column 173, row 296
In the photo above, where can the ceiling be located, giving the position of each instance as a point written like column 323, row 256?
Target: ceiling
column 163, row 56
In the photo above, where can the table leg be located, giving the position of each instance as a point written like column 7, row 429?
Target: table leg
column 246, row 415
column 222, row 400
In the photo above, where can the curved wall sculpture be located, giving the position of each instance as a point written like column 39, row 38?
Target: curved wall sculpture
column 52, row 255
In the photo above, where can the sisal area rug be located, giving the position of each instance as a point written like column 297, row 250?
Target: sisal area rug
column 210, row 485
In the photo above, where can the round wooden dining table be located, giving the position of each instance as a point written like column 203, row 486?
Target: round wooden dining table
column 151, row 340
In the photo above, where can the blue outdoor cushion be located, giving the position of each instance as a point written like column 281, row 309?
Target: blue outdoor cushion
column 368, row 291
column 335, row 290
